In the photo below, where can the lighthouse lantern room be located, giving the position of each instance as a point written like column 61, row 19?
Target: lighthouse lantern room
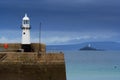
column 26, row 44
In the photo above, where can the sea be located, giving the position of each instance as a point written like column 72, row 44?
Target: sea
column 92, row 65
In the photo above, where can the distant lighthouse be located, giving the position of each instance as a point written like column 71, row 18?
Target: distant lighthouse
column 26, row 44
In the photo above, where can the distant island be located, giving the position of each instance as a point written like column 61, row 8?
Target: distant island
column 88, row 47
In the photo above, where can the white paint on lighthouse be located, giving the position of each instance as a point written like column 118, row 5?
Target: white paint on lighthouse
column 26, row 30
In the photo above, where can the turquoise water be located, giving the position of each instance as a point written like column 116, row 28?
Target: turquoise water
column 92, row 65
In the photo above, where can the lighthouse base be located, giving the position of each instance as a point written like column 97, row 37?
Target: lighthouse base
column 26, row 47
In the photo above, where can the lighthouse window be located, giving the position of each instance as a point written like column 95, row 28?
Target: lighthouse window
column 24, row 33
column 26, row 22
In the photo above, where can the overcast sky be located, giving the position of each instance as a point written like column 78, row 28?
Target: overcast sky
column 63, row 21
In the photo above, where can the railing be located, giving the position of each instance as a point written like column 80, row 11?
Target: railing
column 32, row 58
column 2, row 57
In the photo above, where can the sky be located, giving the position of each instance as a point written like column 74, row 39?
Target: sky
column 63, row 21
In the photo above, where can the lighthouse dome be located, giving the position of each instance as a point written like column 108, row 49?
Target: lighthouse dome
column 25, row 18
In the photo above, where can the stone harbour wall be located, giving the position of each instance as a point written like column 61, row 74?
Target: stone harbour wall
column 10, row 71
column 31, row 66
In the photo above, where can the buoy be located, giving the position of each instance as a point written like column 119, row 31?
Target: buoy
column 5, row 45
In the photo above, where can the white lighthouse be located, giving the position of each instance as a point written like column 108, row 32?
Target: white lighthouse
column 26, row 30
column 26, row 34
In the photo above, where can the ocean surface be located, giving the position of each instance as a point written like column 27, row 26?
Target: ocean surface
column 92, row 65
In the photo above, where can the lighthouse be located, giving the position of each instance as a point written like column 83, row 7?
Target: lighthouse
column 26, row 44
